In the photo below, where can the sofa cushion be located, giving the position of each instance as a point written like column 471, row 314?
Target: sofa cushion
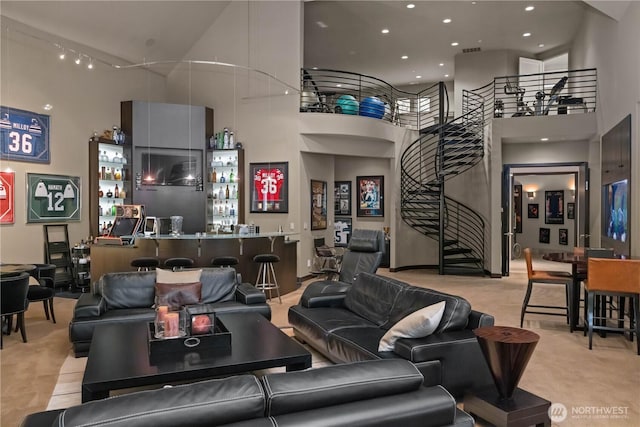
column 371, row 296
column 128, row 289
column 218, row 284
column 206, row 403
column 177, row 295
column 182, row 276
column 352, row 344
column 456, row 312
column 418, row 324
column 332, row 385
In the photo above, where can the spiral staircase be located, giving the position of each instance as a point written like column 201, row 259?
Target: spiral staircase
column 440, row 153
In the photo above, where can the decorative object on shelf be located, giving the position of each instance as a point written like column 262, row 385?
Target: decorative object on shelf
column 372, row 107
column 554, row 204
column 318, row 205
column 342, row 234
column 269, row 187
column 342, row 198
column 533, row 210
column 347, row 104
column 370, row 196
column 53, row 198
column 24, row 135
column 7, row 197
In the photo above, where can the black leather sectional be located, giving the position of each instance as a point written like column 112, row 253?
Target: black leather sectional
column 378, row 393
column 347, row 327
column 129, row 297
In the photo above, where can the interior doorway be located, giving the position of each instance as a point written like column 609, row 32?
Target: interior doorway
column 544, row 208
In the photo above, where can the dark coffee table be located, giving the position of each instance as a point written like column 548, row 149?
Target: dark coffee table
column 119, row 356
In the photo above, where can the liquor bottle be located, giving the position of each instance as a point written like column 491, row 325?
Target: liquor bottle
column 226, row 138
column 117, row 175
column 103, row 231
column 100, row 211
column 124, row 160
column 109, row 226
column 231, row 176
column 234, row 193
column 116, row 192
column 123, row 194
column 226, row 192
column 114, row 211
column 104, row 157
column 231, row 143
column 214, row 176
column 226, row 208
column 222, row 178
column 117, row 158
column 232, row 211
column 220, row 210
column 107, row 174
column 221, row 194
column 100, row 192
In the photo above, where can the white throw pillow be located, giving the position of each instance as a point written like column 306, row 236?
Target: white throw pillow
column 173, row 277
column 418, row 324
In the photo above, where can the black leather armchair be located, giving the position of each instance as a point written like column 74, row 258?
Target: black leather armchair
column 363, row 255
column 13, row 300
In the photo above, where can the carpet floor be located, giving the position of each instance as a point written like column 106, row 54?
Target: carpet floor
column 600, row 387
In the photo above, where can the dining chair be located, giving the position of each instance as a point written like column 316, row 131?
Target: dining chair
column 584, row 274
column 613, row 277
column 13, row 300
column 45, row 289
column 546, row 277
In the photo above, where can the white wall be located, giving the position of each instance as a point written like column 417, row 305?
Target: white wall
column 83, row 101
column 612, row 47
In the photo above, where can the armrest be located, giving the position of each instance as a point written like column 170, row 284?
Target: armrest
column 248, row 294
column 322, row 300
column 478, row 319
column 89, row 305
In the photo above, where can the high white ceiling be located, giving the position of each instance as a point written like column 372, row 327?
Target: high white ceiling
column 351, row 41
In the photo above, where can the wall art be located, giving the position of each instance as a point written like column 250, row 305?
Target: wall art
column 370, row 196
column 269, row 187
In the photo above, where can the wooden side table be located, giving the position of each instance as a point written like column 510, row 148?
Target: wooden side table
column 507, row 351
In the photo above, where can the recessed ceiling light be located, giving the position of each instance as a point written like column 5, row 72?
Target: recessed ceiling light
column 446, row 75
column 404, row 57
column 411, row 6
column 441, row 64
column 446, row 20
column 541, row 45
column 473, row 2
column 418, row 77
column 315, row 68
column 526, row 35
column 322, row 24
column 47, row 107
column 479, row 40
column 544, row 139
column 529, row 8
column 385, row 31
column 338, row 85
column 455, row 44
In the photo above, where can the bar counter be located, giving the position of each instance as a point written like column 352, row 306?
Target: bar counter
column 202, row 248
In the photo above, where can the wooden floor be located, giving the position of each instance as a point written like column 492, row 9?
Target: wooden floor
column 562, row 369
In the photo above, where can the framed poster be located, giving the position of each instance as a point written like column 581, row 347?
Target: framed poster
column 370, row 195
column 342, row 199
column 517, row 207
column 343, row 231
column 318, row 205
column 563, row 236
column 553, row 207
column 269, row 187
column 533, row 210
column 7, row 197
column 571, row 211
column 53, row 198
column 24, row 135
column 544, row 235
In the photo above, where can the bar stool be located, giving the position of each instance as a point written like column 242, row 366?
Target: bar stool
column 224, row 261
column 145, row 263
column 268, row 281
column 178, row 263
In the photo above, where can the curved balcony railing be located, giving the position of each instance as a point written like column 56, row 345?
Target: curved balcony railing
column 343, row 92
column 543, row 94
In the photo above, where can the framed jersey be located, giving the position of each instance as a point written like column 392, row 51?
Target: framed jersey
column 24, row 135
column 53, row 198
column 269, row 187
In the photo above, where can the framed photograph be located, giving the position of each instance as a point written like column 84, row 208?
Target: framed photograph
column 517, row 207
column 563, row 236
column 7, row 197
column 571, row 211
column 318, row 205
column 554, row 207
column 342, row 198
column 269, row 187
column 544, row 235
column 533, row 210
column 53, row 198
column 343, row 231
column 370, row 195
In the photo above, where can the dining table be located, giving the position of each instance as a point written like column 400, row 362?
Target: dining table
column 578, row 261
column 15, row 269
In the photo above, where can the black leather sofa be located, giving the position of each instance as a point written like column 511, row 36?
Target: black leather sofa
column 365, row 394
column 129, row 297
column 348, row 326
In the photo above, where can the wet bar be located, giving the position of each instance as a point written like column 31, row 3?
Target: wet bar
column 202, row 248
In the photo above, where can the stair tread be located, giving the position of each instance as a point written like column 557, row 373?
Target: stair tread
column 462, row 260
column 457, row 251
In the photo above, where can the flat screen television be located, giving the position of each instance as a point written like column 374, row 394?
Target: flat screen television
column 171, row 167
column 616, row 222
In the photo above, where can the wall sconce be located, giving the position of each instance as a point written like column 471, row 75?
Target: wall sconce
column 531, row 194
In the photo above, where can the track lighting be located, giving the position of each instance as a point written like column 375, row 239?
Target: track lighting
column 62, row 54
column 78, row 60
column 90, row 65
